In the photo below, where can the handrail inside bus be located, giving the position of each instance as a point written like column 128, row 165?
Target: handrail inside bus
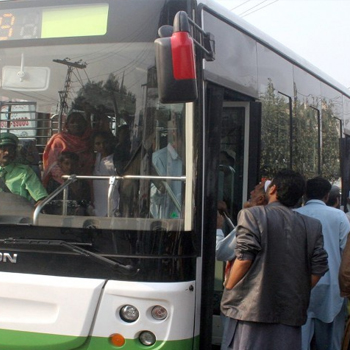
column 112, row 184
column 63, row 187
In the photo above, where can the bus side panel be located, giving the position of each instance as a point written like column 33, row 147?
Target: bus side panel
column 42, row 312
column 174, row 332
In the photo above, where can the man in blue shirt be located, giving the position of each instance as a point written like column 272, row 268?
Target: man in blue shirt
column 327, row 311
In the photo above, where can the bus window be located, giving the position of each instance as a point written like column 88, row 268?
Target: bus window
column 306, row 143
column 275, row 132
column 168, row 159
column 232, row 156
column 331, row 134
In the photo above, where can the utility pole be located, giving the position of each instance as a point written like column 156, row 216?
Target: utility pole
column 64, row 93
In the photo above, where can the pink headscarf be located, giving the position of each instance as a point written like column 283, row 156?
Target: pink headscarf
column 64, row 141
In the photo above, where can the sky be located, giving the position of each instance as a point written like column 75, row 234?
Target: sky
column 317, row 30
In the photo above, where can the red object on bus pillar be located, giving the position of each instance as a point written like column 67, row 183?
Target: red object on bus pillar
column 183, row 56
column 175, row 60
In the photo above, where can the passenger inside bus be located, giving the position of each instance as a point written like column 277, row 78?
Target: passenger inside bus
column 79, row 192
column 122, row 149
column 103, row 146
column 18, row 178
column 166, row 196
column 101, row 121
column 28, row 154
column 75, row 138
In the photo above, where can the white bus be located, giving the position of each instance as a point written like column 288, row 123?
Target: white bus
column 240, row 108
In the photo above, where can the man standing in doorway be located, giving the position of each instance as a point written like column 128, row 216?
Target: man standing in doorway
column 279, row 257
column 327, row 310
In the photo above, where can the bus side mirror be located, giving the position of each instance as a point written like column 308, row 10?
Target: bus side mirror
column 175, row 62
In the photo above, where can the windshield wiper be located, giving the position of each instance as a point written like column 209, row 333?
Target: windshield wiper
column 125, row 269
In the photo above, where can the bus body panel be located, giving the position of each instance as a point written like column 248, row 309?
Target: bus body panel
column 68, row 313
column 53, row 306
column 177, row 298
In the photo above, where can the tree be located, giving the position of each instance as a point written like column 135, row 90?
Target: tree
column 109, row 96
column 275, row 132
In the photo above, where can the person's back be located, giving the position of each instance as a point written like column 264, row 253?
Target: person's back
column 335, row 228
column 326, row 305
column 284, row 242
column 279, row 258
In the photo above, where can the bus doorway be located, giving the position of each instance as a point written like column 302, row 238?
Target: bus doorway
column 238, row 174
column 239, row 153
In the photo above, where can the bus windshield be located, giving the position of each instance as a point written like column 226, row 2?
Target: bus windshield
column 69, row 61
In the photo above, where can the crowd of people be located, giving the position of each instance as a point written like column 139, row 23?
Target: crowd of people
column 78, row 149
column 288, row 268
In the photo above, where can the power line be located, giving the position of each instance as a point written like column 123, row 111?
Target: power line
column 240, row 5
column 257, row 7
column 252, row 7
column 260, row 8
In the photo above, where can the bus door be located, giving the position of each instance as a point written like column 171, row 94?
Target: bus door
column 239, row 153
column 238, row 174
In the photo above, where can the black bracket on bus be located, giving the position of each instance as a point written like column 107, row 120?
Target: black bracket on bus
column 175, row 60
column 207, row 44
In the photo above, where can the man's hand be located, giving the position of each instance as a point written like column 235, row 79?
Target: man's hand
column 222, row 208
column 237, row 272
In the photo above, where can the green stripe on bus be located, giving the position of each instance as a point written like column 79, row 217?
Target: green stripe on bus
column 17, row 340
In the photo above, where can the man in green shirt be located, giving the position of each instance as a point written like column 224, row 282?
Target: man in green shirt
column 17, row 178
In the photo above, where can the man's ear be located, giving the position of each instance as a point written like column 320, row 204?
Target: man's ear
column 272, row 189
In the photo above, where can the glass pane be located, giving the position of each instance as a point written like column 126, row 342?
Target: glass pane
column 168, row 160
column 114, row 86
column 231, row 159
column 330, row 145
column 306, row 141
column 275, row 132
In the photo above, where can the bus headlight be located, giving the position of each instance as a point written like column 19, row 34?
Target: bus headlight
column 159, row 312
column 129, row 313
column 147, row 338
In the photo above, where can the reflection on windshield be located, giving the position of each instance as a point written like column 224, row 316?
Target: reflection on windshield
column 96, row 113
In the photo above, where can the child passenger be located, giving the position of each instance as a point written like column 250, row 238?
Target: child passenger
column 103, row 146
column 79, row 193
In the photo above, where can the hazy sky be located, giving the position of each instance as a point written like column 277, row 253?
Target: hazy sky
column 318, row 30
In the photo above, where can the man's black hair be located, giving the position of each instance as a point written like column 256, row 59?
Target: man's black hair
column 317, row 188
column 290, row 187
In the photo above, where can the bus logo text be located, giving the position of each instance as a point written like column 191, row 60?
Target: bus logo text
column 7, row 257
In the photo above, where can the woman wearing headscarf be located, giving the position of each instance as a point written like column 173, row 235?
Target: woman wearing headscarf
column 75, row 138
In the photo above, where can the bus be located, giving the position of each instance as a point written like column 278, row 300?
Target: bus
column 212, row 105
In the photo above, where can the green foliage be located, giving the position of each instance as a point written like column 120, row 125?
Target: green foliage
column 331, row 144
column 108, row 96
column 305, row 140
column 275, row 133
column 309, row 158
